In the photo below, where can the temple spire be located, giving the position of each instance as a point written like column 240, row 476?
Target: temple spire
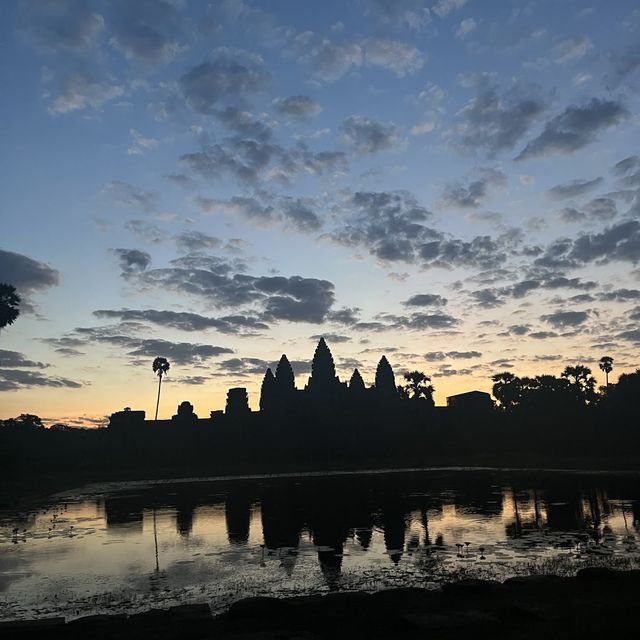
column 284, row 374
column 385, row 380
column 356, row 384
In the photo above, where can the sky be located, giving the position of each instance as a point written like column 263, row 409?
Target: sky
column 454, row 184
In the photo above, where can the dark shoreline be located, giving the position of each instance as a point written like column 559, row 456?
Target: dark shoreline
column 595, row 601
column 20, row 489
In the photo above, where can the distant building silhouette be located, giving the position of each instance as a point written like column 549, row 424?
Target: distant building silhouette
column 324, row 397
column 184, row 413
column 237, row 403
column 470, row 401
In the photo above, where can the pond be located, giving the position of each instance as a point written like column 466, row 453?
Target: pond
column 129, row 547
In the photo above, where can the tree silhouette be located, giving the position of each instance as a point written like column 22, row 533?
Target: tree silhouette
column 9, row 304
column 160, row 367
column 417, row 386
column 606, row 365
column 583, row 382
column 507, row 389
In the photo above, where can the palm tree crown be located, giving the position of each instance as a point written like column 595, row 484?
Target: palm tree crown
column 606, row 365
column 160, row 367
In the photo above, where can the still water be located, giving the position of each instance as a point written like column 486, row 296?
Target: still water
column 134, row 546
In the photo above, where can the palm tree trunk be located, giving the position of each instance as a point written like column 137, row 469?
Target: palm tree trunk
column 158, row 401
column 606, row 377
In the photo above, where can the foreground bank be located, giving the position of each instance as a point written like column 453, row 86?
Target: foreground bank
column 596, row 601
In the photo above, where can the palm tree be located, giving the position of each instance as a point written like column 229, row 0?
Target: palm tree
column 606, row 365
column 9, row 302
column 160, row 367
column 416, row 385
column 582, row 381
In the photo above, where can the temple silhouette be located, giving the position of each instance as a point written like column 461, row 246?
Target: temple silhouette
column 324, row 394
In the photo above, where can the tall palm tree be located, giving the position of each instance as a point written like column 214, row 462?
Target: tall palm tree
column 9, row 303
column 160, row 367
column 417, row 386
column 606, row 365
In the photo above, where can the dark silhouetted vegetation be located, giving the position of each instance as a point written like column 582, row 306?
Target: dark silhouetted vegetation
column 160, row 366
column 9, row 304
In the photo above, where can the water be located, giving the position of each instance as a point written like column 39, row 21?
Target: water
column 130, row 547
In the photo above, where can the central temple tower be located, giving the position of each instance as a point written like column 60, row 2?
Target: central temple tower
column 323, row 377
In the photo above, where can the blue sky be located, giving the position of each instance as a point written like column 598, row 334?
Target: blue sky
column 453, row 183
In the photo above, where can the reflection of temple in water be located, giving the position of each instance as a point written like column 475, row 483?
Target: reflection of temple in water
column 365, row 516
column 237, row 515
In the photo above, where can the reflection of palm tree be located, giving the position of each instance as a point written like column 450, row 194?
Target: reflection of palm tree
column 606, row 365
column 9, row 301
column 160, row 367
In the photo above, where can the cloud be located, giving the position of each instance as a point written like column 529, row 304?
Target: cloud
column 16, row 359
column 186, row 321
column 245, row 123
column 425, row 300
column 618, row 242
column 228, row 75
column 369, row 136
column 296, row 299
column 633, row 335
column 494, row 297
column 397, row 56
column 564, row 319
column 293, row 298
column 146, row 30
column 391, row 226
column 181, row 353
column 570, row 49
column 574, row 128
column 465, row 27
column 131, row 261
column 250, row 161
column 620, row 295
column 328, row 60
column 436, row 356
column 65, row 24
column 27, row 275
column 146, row 231
column 295, row 213
column 574, row 188
column 388, row 224
column 445, row 7
column 140, row 144
column 243, row 366
column 420, row 321
column 190, row 241
column 331, row 338
column 16, row 379
column 399, row 13
column 298, row 107
column 426, row 126
column 625, row 166
column 492, row 122
column 459, row 196
column 79, row 88
column 132, row 196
